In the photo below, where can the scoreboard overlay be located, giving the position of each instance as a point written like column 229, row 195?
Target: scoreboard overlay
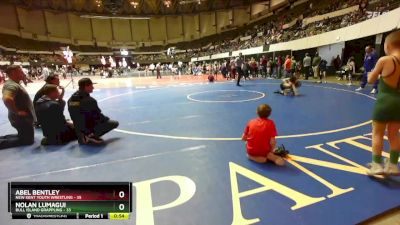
column 70, row 200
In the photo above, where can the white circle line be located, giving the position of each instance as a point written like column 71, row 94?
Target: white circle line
column 189, row 96
column 151, row 88
column 237, row 139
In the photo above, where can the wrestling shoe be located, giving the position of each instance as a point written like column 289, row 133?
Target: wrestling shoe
column 82, row 139
column 359, row 89
column 373, row 91
column 375, row 169
column 96, row 141
column 89, row 139
column 391, row 169
column 281, row 151
column 44, row 141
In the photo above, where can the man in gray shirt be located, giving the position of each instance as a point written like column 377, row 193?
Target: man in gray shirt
column 20, row 110
column 239, row 64
column 307, row 65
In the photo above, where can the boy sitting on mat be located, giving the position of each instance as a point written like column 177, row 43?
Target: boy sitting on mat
column 260, row 136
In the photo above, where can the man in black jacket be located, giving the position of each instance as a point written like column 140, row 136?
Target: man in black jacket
column 90, row 123
column 49, row 110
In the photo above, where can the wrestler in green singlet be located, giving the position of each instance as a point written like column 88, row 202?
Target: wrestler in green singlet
column 387, row 106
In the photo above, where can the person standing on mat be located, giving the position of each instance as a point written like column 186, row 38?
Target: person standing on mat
column 239, row 64
column 50, row 112
column 158, row 69
column 151, row 68
column 351, row 69
column 260, row 136
column 20, row 110
column 322, row 71
column 386, row 114
column 232, row 66
column 370, row 60
column 90, row 123
column 307, row 66
column 315, row 65
column 263, row 64
column 288, row 66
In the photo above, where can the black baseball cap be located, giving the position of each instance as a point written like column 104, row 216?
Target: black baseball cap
column 85, row 82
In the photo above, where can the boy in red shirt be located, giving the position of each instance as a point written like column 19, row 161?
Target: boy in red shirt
column 260, row 136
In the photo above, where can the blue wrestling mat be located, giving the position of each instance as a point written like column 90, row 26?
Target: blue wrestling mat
column 180, row 146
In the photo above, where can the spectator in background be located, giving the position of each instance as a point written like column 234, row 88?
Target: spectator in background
column 298, row 69
column 180, row 68
column 50, row 113
column 224, row 70
column 152, row 68
column 158, row 69
column 315, row 64
column 337, row 63
column 2, row 77
column 233, row 68
column 246, row 69
column 269, row 67
column 20, row 110
column 288, row 66
column 351, row 69
column 322, row 73
column 293, row 67
column 370, row 60
column 274, row 67
column 45, row 72
column 263, row 64
column 146, row 71
column 26, row 79
column 307, row 66
column 254, row 66
column 251, row 68
column 279, row 65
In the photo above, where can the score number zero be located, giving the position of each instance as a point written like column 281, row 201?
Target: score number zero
column 121, row 206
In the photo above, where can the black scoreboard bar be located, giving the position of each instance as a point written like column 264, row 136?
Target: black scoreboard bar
column 70, row 200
